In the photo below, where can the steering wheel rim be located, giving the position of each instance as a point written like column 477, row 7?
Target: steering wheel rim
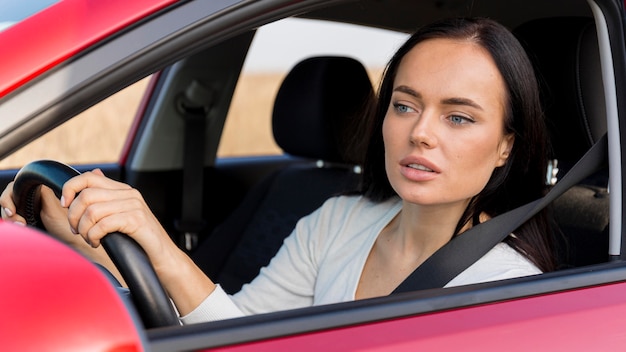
column 148, row 295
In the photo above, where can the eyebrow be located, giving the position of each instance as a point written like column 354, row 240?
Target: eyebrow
column 447, row 101
column 462, row 101
column 407, row 90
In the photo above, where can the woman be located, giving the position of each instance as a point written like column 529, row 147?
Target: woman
column 457, row 137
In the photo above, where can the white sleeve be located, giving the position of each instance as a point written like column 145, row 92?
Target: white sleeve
column 216, row 306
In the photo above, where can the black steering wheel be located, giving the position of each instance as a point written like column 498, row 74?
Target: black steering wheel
column 149, row 297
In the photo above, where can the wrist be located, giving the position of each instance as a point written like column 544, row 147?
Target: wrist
column 169, row 263
column 184, row 282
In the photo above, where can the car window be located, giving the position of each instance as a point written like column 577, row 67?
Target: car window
column 275, row 49
column 95, row 136
column 15, row 11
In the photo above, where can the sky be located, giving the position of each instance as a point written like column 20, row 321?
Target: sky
column 12, row 10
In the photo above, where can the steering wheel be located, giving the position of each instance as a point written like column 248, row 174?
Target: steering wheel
column 149, row 297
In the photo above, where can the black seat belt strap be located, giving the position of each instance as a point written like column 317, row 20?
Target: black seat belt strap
column 464, row 250
column 194, row 106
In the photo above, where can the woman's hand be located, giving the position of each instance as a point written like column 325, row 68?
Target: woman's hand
column 97, row 205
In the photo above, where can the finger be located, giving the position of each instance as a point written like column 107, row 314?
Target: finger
column 125, row 216
column 93, row 204
column 6, row 200
column 7, row 206
column 91, row 196
column 9, row 215
column 52, row 214
column 90, row 179
column 47, row 194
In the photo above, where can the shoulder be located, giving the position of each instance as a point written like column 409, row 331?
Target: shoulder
column 501, row 262
column 342, row 217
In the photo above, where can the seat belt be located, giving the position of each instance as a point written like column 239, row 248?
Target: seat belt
column 467, row 248
column 194, row 105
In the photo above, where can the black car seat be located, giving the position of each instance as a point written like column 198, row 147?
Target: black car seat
column 316, row 109
column 566, row 57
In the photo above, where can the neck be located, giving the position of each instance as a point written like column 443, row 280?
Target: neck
column 422, row 230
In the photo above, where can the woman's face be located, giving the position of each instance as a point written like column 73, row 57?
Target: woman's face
column 444, row 128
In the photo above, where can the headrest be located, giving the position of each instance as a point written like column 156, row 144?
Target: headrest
column 567, row 60
column 317, row 105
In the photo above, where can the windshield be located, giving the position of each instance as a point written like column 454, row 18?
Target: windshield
column 14, row 11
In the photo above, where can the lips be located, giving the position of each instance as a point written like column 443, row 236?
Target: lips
column 419, row 163
column 418, row 169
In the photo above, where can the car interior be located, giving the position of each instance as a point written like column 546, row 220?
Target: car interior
column 241, row 208
column 246, row 241
column 309, row 122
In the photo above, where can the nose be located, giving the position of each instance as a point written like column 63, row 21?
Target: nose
column 424, row 130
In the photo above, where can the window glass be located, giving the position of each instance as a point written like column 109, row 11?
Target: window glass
column 95, row 136
column 275, row 49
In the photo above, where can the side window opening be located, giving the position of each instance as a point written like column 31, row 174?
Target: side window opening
column 97, row 135
column 275, row 49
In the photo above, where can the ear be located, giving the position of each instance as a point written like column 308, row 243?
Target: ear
column 504, row 149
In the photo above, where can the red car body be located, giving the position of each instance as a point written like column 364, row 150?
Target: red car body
column 84, row 23
column 38, row 298
column 53, row 299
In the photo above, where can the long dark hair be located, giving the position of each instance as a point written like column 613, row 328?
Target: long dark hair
column 522, row 178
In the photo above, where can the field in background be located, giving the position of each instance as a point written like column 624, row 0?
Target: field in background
column 99, row 134
column 77, row 141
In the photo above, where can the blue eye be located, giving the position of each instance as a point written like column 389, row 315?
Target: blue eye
column 456, row 119
column 401, row 108
column 459, row 120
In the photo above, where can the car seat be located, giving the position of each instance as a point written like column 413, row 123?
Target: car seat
column 316, row 112
column 566, row 58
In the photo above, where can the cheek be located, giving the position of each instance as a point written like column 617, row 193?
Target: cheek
column 477, row 163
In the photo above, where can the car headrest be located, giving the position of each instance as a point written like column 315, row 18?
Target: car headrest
column 566, row 57
column 317, row 106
